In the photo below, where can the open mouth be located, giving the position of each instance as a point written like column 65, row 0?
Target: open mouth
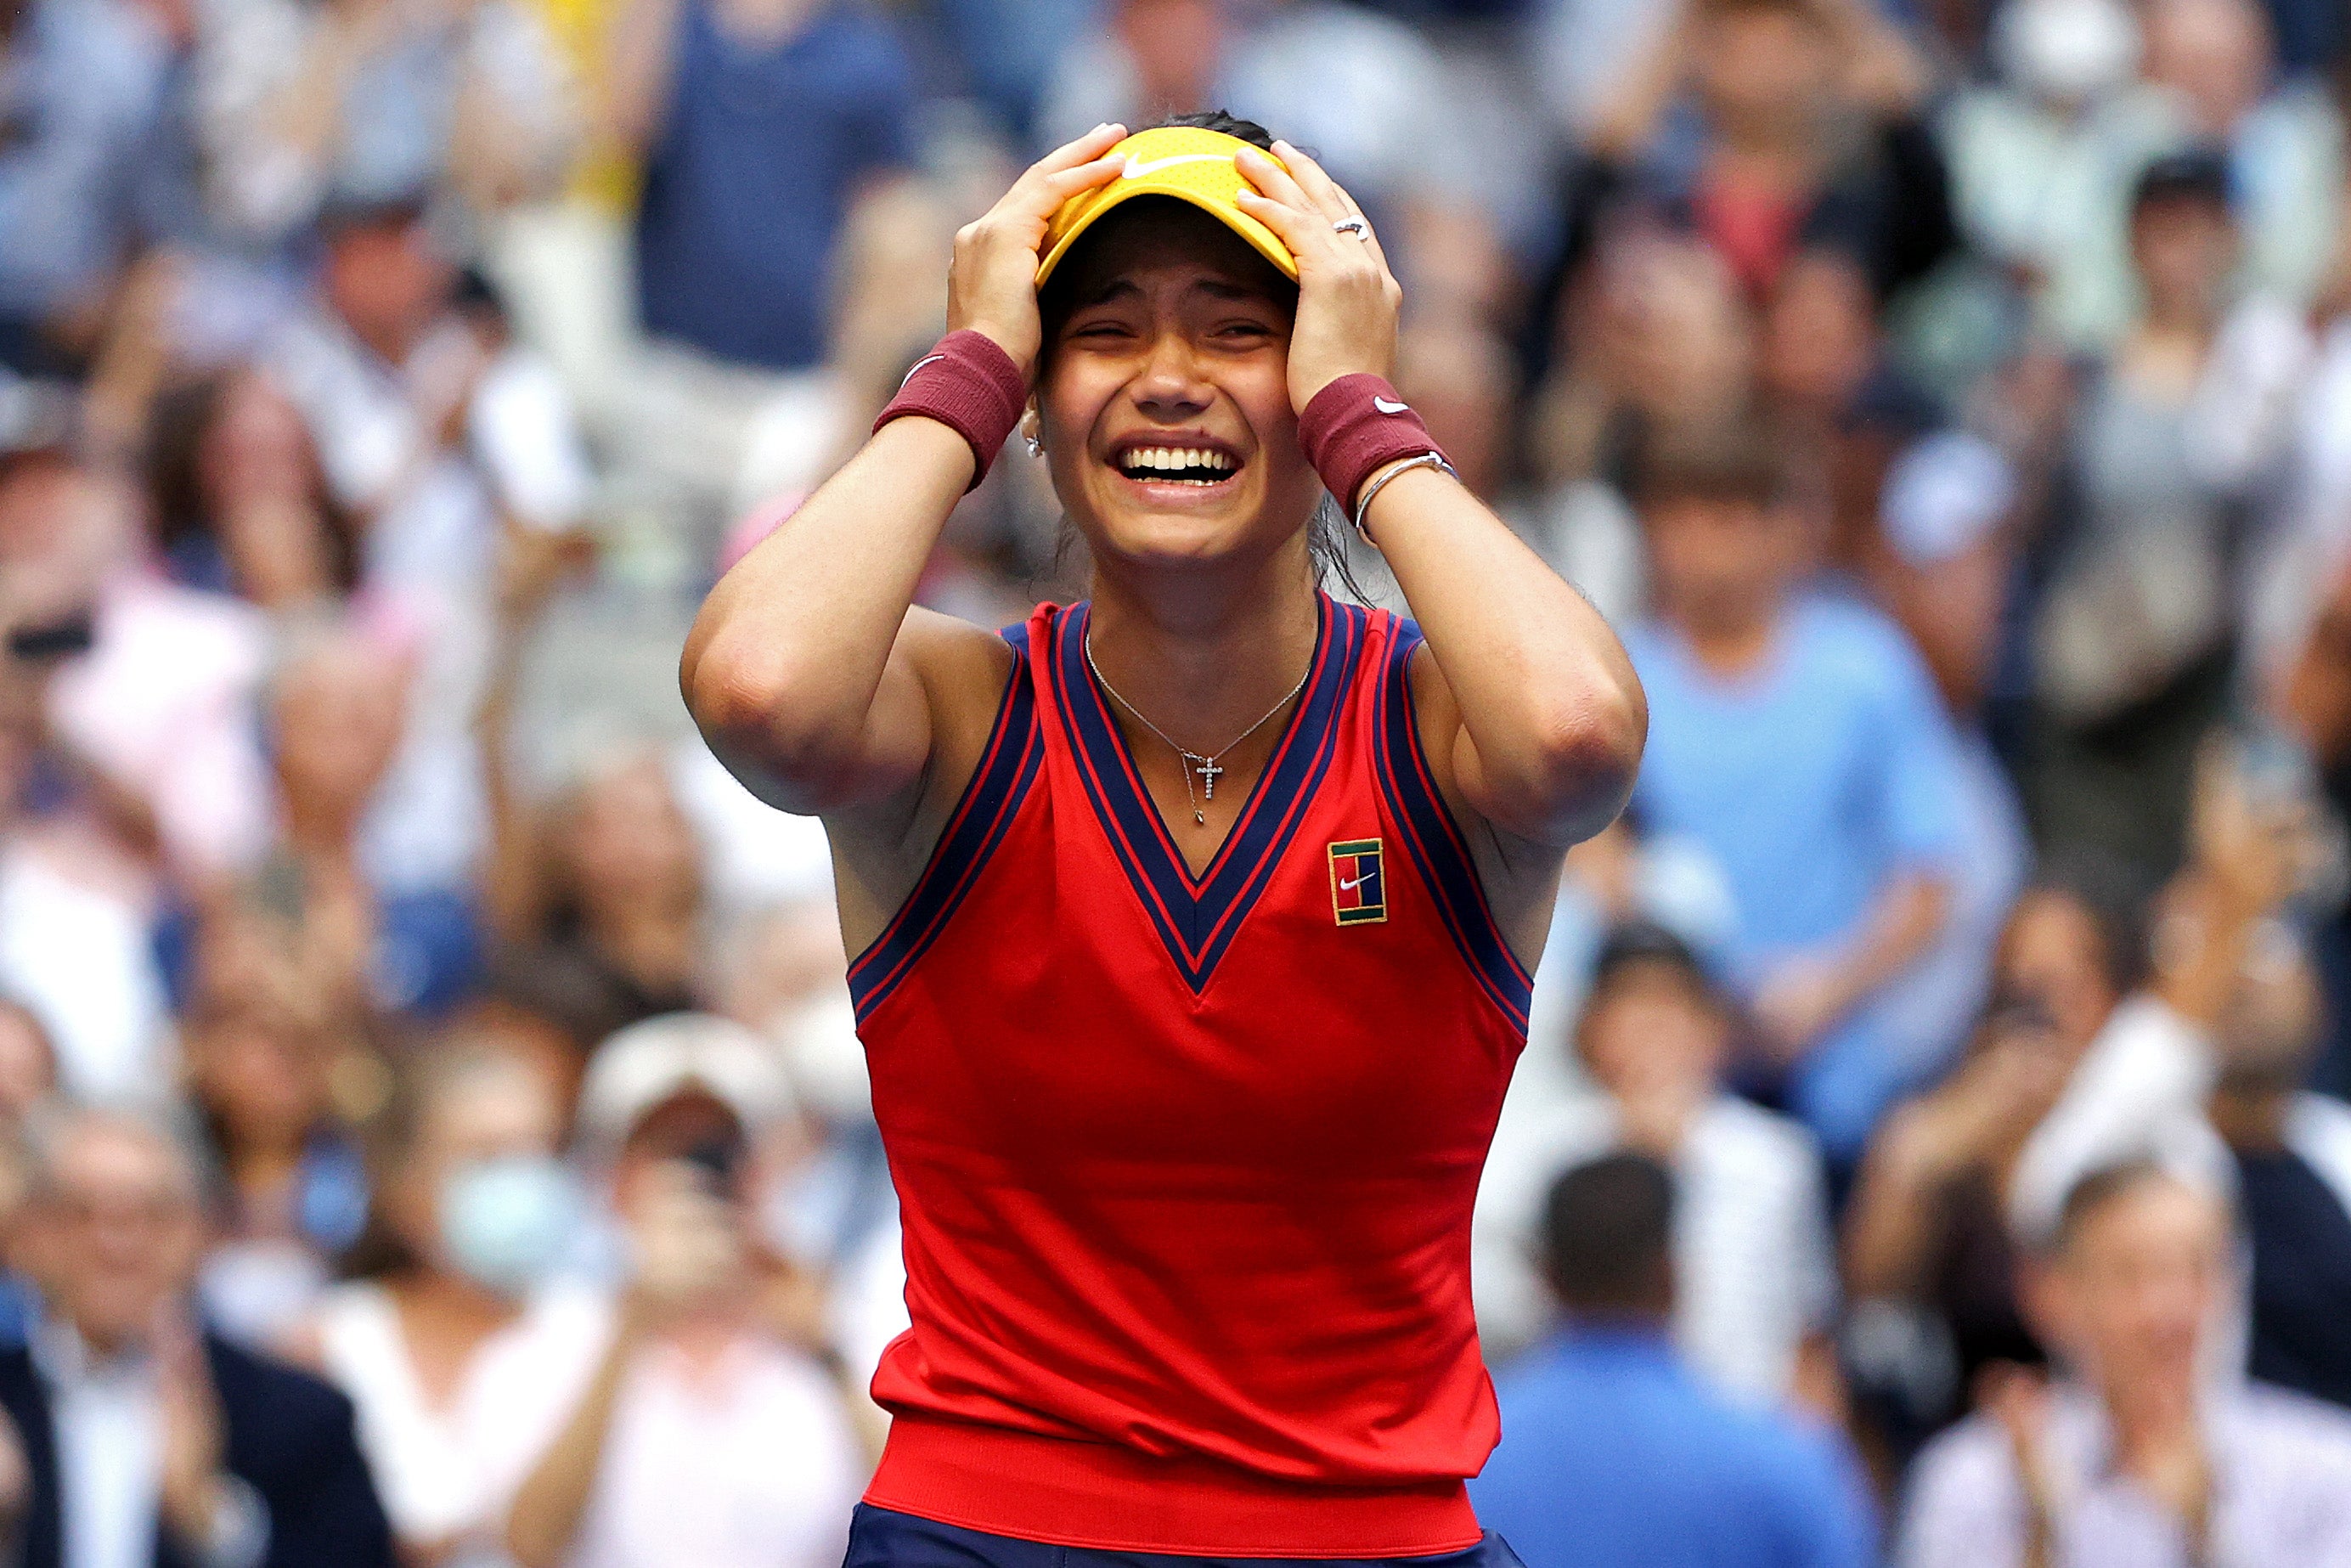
column 1184, row 464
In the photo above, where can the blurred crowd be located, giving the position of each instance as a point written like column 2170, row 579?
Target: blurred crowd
column 432, row 1124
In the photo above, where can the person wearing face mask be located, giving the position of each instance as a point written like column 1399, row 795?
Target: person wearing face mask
column 714, row 1431
column 459, row 1340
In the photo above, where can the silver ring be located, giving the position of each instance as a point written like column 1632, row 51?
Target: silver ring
column 1353, row 223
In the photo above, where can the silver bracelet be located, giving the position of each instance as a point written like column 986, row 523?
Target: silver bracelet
column 1363, row 508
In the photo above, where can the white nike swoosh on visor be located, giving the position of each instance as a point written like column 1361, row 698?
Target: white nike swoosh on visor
column 1384, row 406
column 1136, row 171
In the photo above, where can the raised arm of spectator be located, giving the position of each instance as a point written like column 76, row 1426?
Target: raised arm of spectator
column 514, row 886
column 640, row 66
column 809, row 670
column 1628, row 117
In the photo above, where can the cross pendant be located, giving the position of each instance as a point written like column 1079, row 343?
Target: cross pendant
column 1205, row 767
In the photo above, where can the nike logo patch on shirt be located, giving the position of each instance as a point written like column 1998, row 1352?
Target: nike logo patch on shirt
column 1388, row 405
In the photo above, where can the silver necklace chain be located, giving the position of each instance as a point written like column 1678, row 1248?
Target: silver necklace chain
column 1203, row 763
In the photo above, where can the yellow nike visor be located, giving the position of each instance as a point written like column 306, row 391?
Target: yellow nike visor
column 1186, row 161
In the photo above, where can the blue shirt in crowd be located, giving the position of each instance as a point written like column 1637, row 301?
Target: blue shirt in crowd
column 1809, row 782
column 1615, row 1456
column 758, row 159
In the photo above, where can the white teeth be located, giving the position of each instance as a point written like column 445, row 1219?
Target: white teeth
column 1177, row 459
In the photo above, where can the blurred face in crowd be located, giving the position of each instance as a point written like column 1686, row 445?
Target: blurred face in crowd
column 2184, row 248
column 694, row 1126
column 337, row 715
column 387, row 282
column 1669, row 330
column 2053, row 956
column 1762, row 65
column 2215, row 53
column 2136, row 1289
column 1459, row 377
column 1722, row 563
column 627, row 842
column 1175, row 46
column 117, row 1228
column 1176, row 341
column 486, row 1111
column 260, row 1074
column 261, row 488
column 1820, row 334
column 1653, row 1022
column 64, row 529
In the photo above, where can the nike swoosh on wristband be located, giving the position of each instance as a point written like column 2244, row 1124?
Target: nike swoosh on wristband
column 1386, row 407
column 918, row 365
column 1136, row 171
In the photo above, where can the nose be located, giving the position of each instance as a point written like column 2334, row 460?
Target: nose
column 1170, row 388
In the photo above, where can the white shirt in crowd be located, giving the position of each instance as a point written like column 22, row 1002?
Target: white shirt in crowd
column 453, row 1470
column 1755, row 1264
column 750, row 1463
column 2139, row 1092
column 2281, row 1492
column 108, row 1417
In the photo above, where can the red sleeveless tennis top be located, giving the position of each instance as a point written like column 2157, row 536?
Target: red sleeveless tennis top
column 1187, row 1163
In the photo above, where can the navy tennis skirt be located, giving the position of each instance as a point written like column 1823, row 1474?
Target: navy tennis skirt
column 883, row 1538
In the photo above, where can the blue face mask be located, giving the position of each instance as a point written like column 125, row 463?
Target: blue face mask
column 507, row 1222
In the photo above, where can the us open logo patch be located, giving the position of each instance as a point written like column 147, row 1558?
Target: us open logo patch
column 1359, row 893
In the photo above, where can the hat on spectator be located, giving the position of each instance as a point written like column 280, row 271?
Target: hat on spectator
column 648, row 1064
column 1189, row 163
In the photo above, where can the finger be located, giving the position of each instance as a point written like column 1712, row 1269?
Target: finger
column 1316, row 182
column 1272, row 180
column 1304, row 235
column 1084, row 149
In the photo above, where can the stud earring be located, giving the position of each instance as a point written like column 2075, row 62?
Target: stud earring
column 1036, row 445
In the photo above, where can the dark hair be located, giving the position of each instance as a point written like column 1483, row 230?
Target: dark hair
column 2198, row 175
column 2101, row 1190
column 1632, row 943
column 1736, row 459
column 183, row 423
column 1608, row 1238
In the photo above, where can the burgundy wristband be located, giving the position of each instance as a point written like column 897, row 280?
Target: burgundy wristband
column 1355, row 426
column 970, row 385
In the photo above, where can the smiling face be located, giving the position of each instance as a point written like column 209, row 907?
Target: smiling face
column 1164, row 400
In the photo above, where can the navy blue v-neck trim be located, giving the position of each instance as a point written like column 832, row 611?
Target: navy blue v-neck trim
column 1196, row 917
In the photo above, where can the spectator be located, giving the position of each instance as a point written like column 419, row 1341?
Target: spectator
column 2140, row 1456
column 301, row 107
column 762, row 123
column 240, row 501
column 1801, row 132
column 2133, row 622
column 709, row 1434
column 28, row 1078
column 1751, row 1248
column 77, row 891
column 140, row 1436
column 2291, row 1152
column 2075, row 1065
column 462, row 1349
column 1612, row 1453
column 263, row 1046
column 82, row 78
column 442, row 438
column 1799, row 740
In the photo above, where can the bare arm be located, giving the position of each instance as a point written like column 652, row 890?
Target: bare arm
column 637, row 60
column 552, row 1501
column 808, row 669
column 1533, row 707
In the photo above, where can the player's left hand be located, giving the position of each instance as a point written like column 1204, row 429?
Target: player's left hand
column 1347, row 298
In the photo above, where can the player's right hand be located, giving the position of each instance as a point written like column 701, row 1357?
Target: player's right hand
column 992, row 287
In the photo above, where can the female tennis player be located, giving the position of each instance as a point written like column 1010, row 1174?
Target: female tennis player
column 1194, row 920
